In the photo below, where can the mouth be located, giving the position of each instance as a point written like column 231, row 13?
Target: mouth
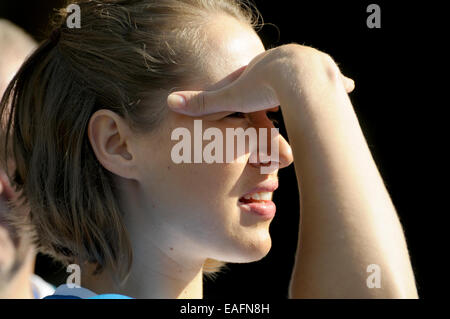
column 258, row 201
column 256, row 197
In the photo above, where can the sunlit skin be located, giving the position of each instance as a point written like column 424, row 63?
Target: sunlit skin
column 348, row 222
column 178, row 215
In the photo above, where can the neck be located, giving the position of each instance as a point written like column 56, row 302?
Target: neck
column 155, row 273
column 163, row 265
column 162, row 279
column 147, row 280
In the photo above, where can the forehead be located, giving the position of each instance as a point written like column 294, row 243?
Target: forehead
column 230, row 45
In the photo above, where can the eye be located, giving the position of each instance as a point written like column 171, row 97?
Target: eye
column 237, row 115
column 273, row 117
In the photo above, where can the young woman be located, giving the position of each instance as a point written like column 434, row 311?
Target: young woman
column 92, row 129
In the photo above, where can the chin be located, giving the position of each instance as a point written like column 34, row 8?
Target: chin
column 252, row 249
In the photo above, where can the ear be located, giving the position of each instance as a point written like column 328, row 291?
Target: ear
column 112, row 140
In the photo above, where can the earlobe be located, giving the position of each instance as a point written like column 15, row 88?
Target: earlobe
column 110, row 138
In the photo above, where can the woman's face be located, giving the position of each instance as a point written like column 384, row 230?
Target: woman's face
column 198, row 204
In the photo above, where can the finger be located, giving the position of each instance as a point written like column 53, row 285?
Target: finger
column 190, row 103
column 349, row 84
column 231, row 98
column 196, row 103
column 199, row 103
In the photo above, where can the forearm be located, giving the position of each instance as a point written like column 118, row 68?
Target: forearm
column 348, row 221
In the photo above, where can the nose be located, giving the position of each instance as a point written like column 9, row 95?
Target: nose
column 285, row 156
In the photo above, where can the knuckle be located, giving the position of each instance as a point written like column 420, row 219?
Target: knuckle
column 298, row 55
column 328, row 60
column 305, row 55
column 295, row 49
column 331, row 67
column 199, row 106
column 202, row 100
column 291, row 49
column 305, row 52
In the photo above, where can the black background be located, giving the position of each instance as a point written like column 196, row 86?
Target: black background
column 384, row 64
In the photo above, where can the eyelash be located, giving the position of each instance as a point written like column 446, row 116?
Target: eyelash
column 237, row 115
column 271, row 115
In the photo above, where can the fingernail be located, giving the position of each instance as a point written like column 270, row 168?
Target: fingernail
column 176, row 101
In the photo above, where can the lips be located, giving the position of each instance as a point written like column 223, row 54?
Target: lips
column 258, row 200
column 269, row 186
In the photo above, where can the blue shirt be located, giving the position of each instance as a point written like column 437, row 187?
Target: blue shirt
column 65, row 292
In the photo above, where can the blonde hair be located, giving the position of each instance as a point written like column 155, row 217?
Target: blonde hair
column 126, row 52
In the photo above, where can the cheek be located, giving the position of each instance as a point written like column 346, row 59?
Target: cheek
column 204, row 185
column 199, row 187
